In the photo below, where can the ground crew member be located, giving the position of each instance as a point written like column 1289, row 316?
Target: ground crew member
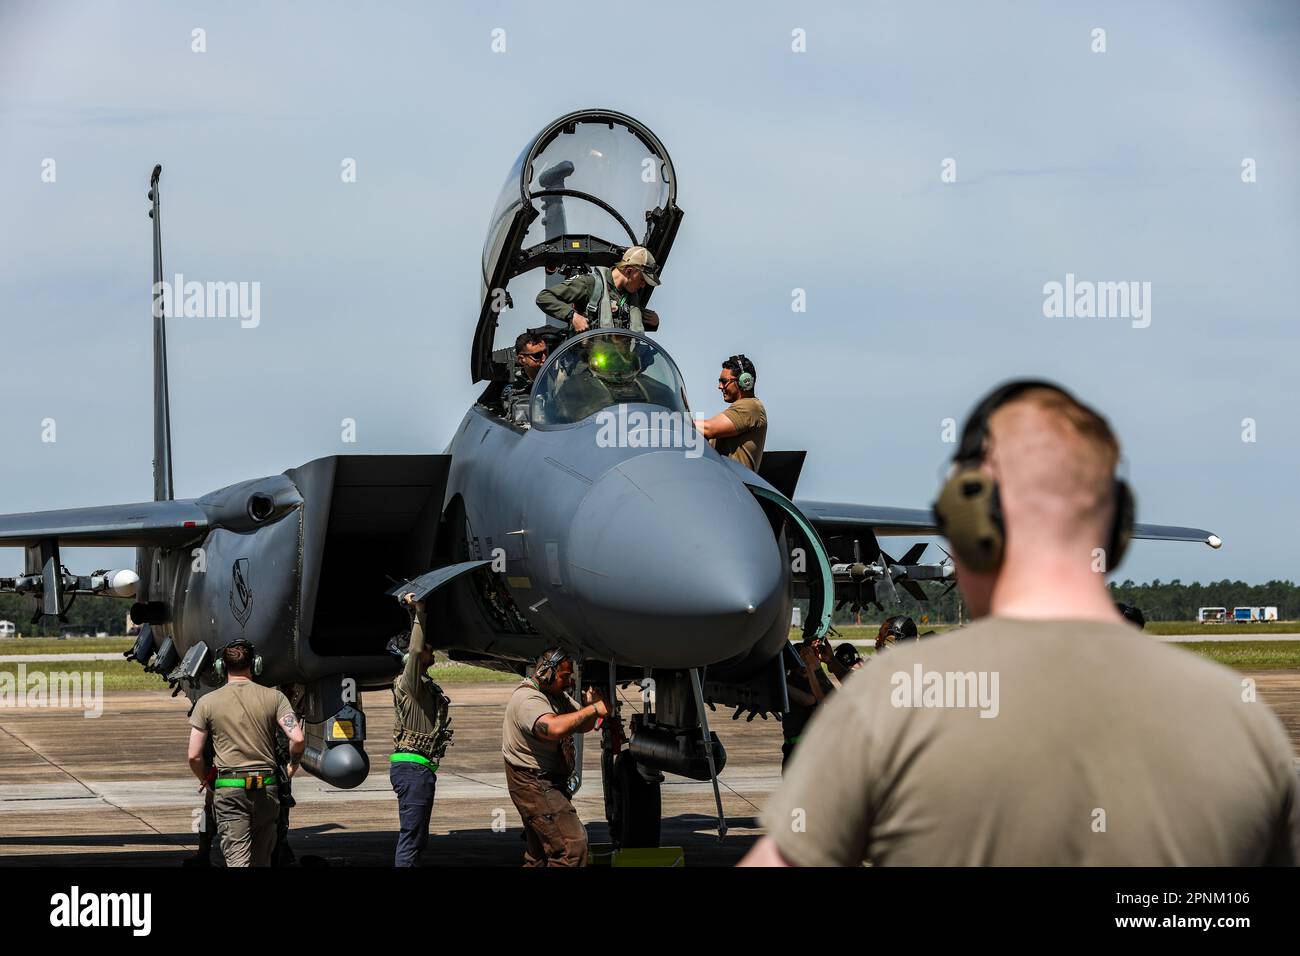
column 241, row 719
column 740, row 431
column 421, row 733
column 806, row 686
column 283, row 855
column 208, row 830
column 1134, row 753
column 895, row 629
column 844, row 661
column 537, row 745
column 606, row 298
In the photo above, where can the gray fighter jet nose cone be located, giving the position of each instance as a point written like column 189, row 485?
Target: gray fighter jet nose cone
column 675, row 560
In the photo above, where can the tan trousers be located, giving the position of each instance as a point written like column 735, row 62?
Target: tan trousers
column 553, row 834
column 246, row 822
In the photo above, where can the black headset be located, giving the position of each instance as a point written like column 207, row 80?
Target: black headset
column 220, row 666
column 549, row 664
column 399, row 646
column 744, row 370
column 968, row 511
column 901, row 628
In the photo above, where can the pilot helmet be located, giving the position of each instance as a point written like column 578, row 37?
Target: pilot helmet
column 613, row 359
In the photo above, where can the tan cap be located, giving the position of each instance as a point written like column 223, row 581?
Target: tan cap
column 640, row 257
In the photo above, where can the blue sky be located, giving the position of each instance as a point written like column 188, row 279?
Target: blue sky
column 817, row 170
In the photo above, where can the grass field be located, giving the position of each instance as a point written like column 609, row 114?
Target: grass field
column 71, row 645
column 126, row 675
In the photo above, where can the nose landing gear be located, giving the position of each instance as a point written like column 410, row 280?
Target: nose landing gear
column 633, row 807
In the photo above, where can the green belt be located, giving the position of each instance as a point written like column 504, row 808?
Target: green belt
column 268, row 780
column 413, row 758
column 793, row 740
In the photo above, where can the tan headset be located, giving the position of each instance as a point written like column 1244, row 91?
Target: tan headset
column 969, row 509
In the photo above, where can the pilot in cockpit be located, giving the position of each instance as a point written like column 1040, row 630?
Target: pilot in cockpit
column 606, row 298
column 530, row 356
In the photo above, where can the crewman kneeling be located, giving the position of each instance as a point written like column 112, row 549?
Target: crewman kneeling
column 421, row 733
column 740, row 431
column 242, row 718
column 537, row 744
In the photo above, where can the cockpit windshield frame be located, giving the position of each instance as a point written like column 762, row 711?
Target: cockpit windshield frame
column 671, row 396
column 504, row 255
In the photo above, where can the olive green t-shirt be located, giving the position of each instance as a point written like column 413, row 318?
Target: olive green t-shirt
column 1101, row 747
column 417, row 700
column 746, row 446
column 520, row 746
column 241, row 719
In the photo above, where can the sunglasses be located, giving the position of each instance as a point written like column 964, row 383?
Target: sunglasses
column 725, row 381
column 536, row 356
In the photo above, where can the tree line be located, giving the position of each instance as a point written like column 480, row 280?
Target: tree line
column 1159, row 601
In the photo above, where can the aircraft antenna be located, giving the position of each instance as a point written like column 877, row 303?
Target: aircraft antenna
column 162, row 416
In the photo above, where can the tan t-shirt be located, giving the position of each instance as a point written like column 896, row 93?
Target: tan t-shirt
column 1103, row 748
column 746, row 446
column 519, row 745
column 241, row 718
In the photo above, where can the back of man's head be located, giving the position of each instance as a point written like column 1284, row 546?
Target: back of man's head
column 1054, row 460
column 238, row 658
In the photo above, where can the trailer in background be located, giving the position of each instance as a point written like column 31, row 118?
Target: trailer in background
column 1212, row 615
column 1251, row 615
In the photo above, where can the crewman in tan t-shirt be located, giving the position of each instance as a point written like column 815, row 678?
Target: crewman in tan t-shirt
column 537, row 746
column 739, row 431
column 1048, row 733
column 241, row 717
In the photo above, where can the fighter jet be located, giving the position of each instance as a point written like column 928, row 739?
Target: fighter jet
column 649, row 557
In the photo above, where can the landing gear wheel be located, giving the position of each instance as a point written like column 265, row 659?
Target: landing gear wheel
column 632, row 804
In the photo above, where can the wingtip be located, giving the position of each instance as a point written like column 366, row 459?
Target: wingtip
column 1214, row 541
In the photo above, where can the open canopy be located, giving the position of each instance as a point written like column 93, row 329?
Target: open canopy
column 585, row 188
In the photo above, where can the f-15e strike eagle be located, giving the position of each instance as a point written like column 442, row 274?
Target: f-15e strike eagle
column 643, row 561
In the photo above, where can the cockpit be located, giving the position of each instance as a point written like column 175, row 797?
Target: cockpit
column 583, row 190
column 599, row 370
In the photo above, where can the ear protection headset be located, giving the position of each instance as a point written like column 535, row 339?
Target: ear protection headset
column 744, row 379
column 219, row 665
column 399, row 645
column 545, row 671
column 901, row 628
column 969, row 509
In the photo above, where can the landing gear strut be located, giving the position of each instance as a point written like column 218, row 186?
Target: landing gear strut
column 632, row 800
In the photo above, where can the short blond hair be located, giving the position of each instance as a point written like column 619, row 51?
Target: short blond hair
column 1055, row 462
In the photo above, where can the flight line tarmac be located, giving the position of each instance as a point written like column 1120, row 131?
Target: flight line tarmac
column 116, row 790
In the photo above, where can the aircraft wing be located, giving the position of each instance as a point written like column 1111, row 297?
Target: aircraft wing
column 148, row 524
column 837, row 520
